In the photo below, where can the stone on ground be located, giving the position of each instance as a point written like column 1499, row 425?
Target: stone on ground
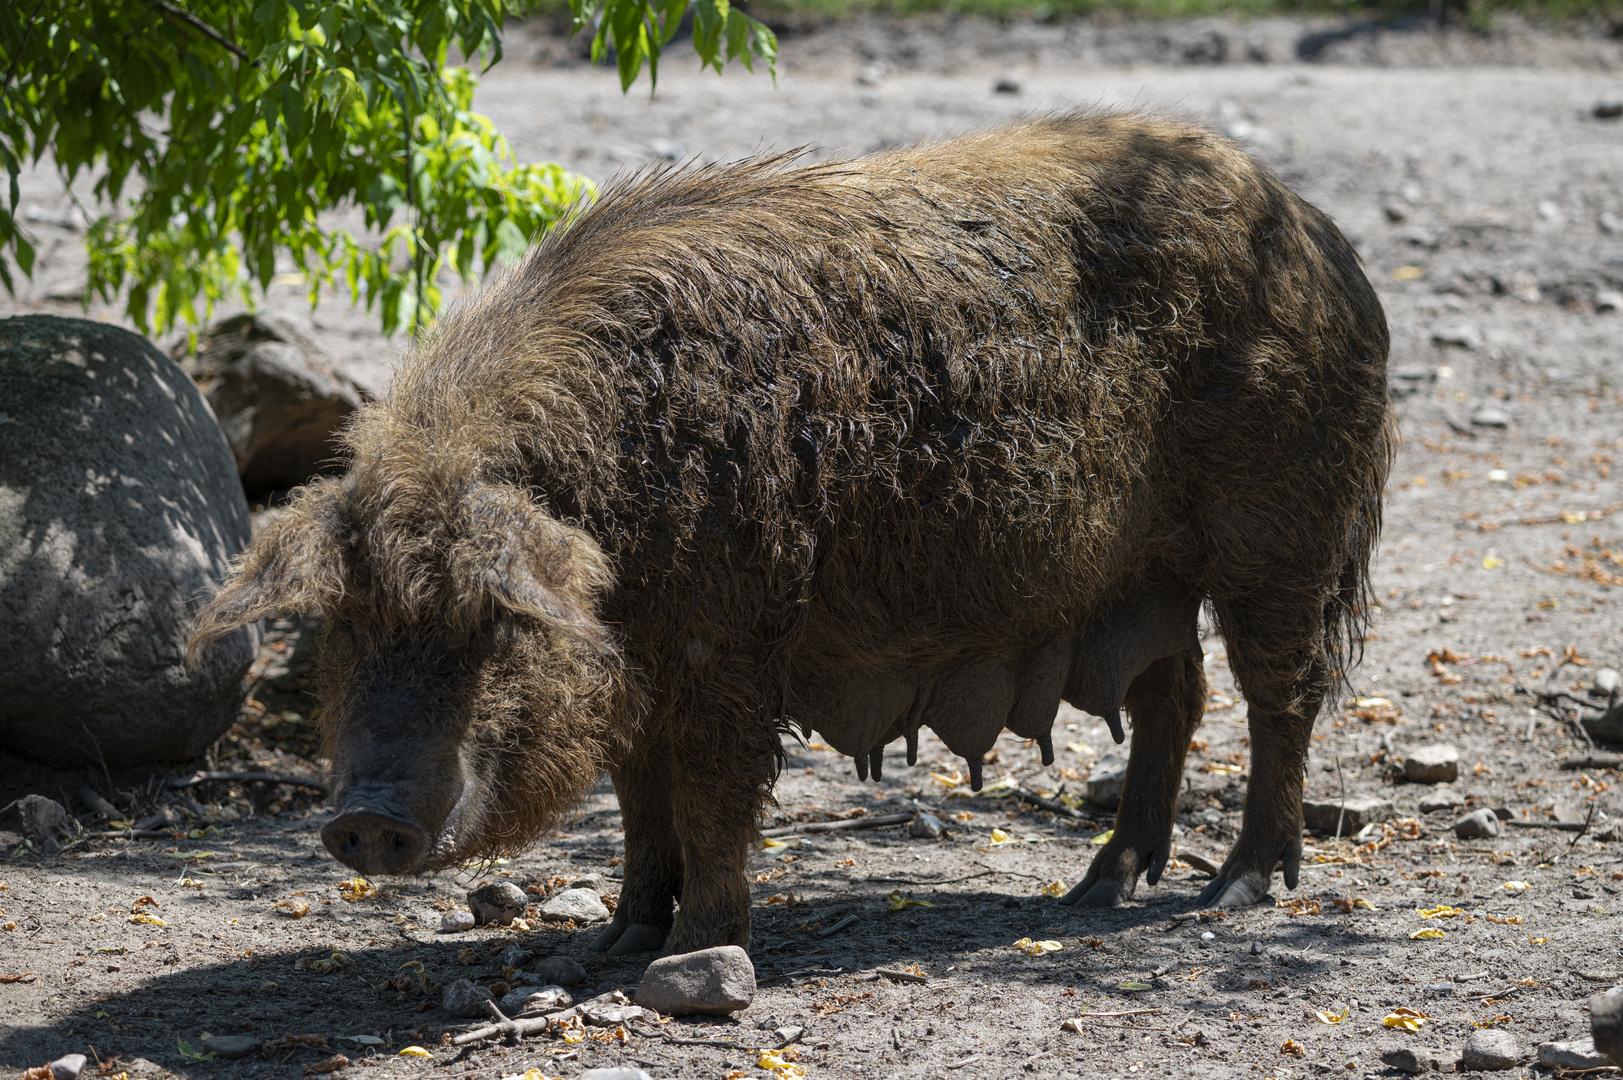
column 120, row 508
column 1321, row 814
column 45, row 823
column 1438, row 763
column 465, row 998
column 558, row 971
column 1606, row 1023
column 277, row 398
column 1105, row 781
column 1489, row 1050
column 500, row 903
column 712, row 981
column 535, row 1001
column 582, row 905
column 1441, row 798
column 68, row 1067
column 231, row 1047
column 1576, row 1055
column 1411, row 1059
column 1477, row 825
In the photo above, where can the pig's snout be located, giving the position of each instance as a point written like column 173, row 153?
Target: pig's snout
column 374, row 842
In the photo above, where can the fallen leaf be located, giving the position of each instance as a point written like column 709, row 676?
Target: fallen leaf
column 529, row 1074
column 948, row 781
column 1406, row 1019
column 1492, row 562
column 1292, row 1048
column 1408, row 273
column 1080, row 748
column 25, row 977
column 292, row 909
column 357, row 888
column 1430, row 933
column 1054, row 888
column 768, row 843
column 1037, row 948
column 897, row 902
column 1103, row 838
column 1001, row 837
column 145, row 901
column 413, row 1051
column 1515, row 886
column 1333, row 1018
column 1441, row 911
column 147, row 918
column 332, row 1064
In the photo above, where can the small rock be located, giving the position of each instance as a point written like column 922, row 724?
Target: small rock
column 1412, row 1060
column 465, row 998
column 596, row 882
column 45, row 822
column 926, row 826
column 1444, row 987
column 1489, row 1050
column 1321, row 815
column 1208, row 937
column 1607, row 684
column 614, row 1074
column 558, row 971
column 453, row 922
column 1578, row 1055
column 613, row 1013
column 1609, row 300
column 68, row 1067
column 1438, row 763
column 1440, row 798
column 1463, row 335
column 500, row 903
column 666, row 149
column 1610, row 109
column 582, row 905
column 714, row 981
column 789, row 1034
column 514, row 957
column 1606, row 1023
column 1007, row 84
column 1606, row 726
column 1105, row 781
column 1549, row 210
column 872, row 75
column 1490, row 416
column 1394, row 213
column 535, row 1001
column 1477, row 825
column 1609, row 222
column 230, row 1047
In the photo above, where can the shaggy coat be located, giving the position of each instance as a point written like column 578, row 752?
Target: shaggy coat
column 937, row 436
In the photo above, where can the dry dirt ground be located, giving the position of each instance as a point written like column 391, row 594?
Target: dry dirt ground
column 1476, row 181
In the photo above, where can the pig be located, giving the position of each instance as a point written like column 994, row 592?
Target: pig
column 939, row 436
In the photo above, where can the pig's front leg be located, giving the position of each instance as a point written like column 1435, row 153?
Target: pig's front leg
column 653, row 866
column 1166, row 703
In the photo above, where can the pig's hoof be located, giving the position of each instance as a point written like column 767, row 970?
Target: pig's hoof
column 1241, row 890
column 638, row 938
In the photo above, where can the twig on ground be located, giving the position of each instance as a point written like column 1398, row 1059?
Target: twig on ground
column 1121, row 1012
column 1050, row 804
column 878, row 821
column 901, row 976
column 133, row 834
column 933, row 881
column 802, row 971
column 1558, row 826
column 1600, row 759
column 1579, row 835
column 970, row 1060
column 513, row 1029
column 1198, row 862
column 250, row 777
column 837, row 927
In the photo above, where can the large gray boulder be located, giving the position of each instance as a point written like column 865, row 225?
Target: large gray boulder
column 120, row 509
column 279, row 401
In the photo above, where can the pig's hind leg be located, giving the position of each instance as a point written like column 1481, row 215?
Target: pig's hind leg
column 653, row 859
column 1166, row 702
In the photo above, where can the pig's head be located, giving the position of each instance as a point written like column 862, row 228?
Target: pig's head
column 470, row 694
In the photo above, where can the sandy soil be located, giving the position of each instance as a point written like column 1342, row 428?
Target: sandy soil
column 1474, row 178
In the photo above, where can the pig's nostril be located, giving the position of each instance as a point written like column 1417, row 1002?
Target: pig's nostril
column 352, row 842
column 401, row 843
column 373, row 842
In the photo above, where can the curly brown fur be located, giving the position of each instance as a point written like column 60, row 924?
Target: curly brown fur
column 867, row 445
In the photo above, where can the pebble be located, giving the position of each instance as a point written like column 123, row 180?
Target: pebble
column 614, row 1074
column 1463, row 335
column 1609, row 222
column 1489, row 1050
column 1411, row 1060
column 453, row 922
column 1610, row 109
column 1578, row 1055
column 514, row 957
column 68, row 1067
column 713, row 981
column 1208, row 937
column 1438, row 763
column 614, row 1013
column 926, row 826
column 1607, row 683
column 1007, row 84
column 582, row 905
column 1105, row 781
column 229, row 1047
column 500, row 903
column 596, row 882
column 1477, row 825
column 790, row 1033
column 1609, row 300
column 558, row 971
column 1321, row 814
column 1440, row 798
column 1490, row 416
column 534, row 1001
column 465, row 998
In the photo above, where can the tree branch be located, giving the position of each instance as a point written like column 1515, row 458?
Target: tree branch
column 202, row 28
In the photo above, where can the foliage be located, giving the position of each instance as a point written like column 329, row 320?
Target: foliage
column 220, row 133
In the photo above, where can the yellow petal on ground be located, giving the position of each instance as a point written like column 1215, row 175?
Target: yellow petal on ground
column 1515, row 886
column 413, row 1051
column 1333, row 1018
column 1000, row 837
column 999, row 788
column 768, row 843
column 148, row 919
column 1441, row 911
column 1080, row 748
column 1406, row 1019
column 1103, row 838
column 1430, row 933
column 948, row 781
column 1373, row 702
column 1365, row 904
column 1037, row 948
column 897, row 902
column 1492, row 562
column 1054, row 888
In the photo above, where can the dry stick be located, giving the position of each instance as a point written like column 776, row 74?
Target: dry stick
column 133, row 834
column 1121, row 1012
column 513, row 1029
column 1341, row 812
column 837, row 927
column 248, row 778
column 1049, row 804
column 802, row 971
column 970, row 1060
column 933, row 881
column 877, row 822
column 1579, row 835
column 1597, row 760
column 1558, row 826
column 900, row 976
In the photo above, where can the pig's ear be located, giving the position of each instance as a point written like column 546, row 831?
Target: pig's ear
column 530, row 563
column 295, row 564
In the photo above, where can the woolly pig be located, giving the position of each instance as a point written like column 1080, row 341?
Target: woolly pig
column 934, row 437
